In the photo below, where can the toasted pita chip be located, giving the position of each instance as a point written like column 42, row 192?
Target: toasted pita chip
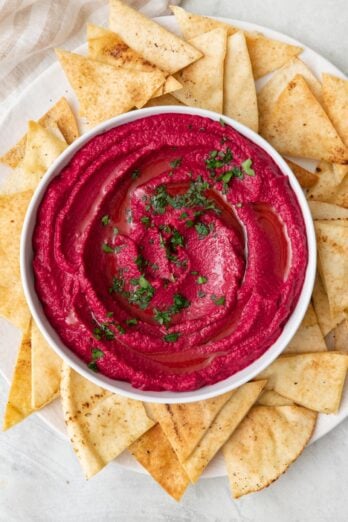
column 341, row 336
column 42, row 148
column 108, row 47
column 265, row 444
column 185, row 424
column 202, row 82
column 45, row 370
column 298, row 126
column 240, row 102
column 100, row 424
column 332, row 239
column 149, row 39
column 266, row 55
column 308, row 337
column 154, row 452
column 165, row 99
column 313, row 380
column 305, row 178
column 335, row 97
column 13, row 305
column 322, row 309
column 105, row 91
column 321, row 210
column 59, row 115
column 272, row 398
column 224, row 424
column 18, row 405
column 328, row 189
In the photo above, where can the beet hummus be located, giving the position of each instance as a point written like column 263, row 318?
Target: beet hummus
column 169, row 252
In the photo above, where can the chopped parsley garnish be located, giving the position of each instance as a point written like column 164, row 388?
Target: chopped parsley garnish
column 171, row 337
column 184, row 215
column 175, row 163
column 131, row 322
column 222, row 122
column 135, row 174
column 218, row 159
column 246, row 166
column 140, row 261
column 163, row 317
column 109, row 314
column 180, row 302
column 189, row 223
column 117, row 285
column 218, row 300
column 97, row 354
column 145, row 220
column 194, row 272
column 176, row 239
column 202, row 229
column 201, row 280
column 103, row 331
column 105, row 220
column 121, row 329
column 143, row 293
column 108, row 249
column 93, row 366
column 201, row 294
column 115, row 230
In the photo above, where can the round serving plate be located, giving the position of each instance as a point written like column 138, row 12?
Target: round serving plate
column 35, row 100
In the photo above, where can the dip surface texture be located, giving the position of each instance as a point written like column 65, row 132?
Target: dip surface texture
column 169, row 252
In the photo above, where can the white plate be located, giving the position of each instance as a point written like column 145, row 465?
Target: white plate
column 34, row 101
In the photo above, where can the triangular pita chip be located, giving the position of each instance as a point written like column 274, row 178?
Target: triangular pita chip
column 224, row 424
column 185, row 424
column 59, row 115
column 321, row 210
column 165, row 99
column 266, row 55
column 272, row 398
column 202, row 82
column 332, row 240
column 335, row 98
column 100, row 424
column 149, row 39
column 154, row 452
column 45, row 370
column 42, row 148
column 328, row 188
column 240, row 102
column 265, row 444
column 19, row 406
column 308, row 337
column 313, row 380
column 305, row 178
column 105, row 91
column 298, row 126
column 108, row 47
column 322, row 309
column 341, row 336
column 13, row 305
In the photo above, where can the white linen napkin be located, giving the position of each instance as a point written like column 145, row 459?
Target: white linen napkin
column 31, row 29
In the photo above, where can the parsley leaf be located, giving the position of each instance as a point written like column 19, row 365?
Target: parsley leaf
column 246, row 166
column 105, row 220
column 171, row 337
column 175, row 163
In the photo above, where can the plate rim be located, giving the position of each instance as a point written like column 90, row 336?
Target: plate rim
column 171, row 21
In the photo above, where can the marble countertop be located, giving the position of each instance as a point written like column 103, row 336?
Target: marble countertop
column 40, row 479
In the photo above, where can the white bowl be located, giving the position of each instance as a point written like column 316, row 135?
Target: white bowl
column 125, row 388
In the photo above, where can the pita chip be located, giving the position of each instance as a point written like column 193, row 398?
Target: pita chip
column 327, row 189
column 335, row 98
column 165, row 99
column 105, row 91
column 45, row 370
column 61, row 116
column 266, row 55
column 108, row 47
column 100, row 424
column 332, row 238
column 327, row 211
column 185, row 424
column 154, row 452
column 341, row 336
column 272, row 398
column 322, row 309
column 202, row 82
column 224, row 424
column 240, row 102
column 308, row 337
column 305, row 178
column 265, row 444
column 298, row 126
column 19, row 405
column 13, row 305
column 150, row 40
column 313, row 380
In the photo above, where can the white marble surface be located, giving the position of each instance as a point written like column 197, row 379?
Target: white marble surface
column 40, row 479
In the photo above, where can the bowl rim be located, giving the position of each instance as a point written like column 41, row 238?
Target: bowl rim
column 123, row 387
